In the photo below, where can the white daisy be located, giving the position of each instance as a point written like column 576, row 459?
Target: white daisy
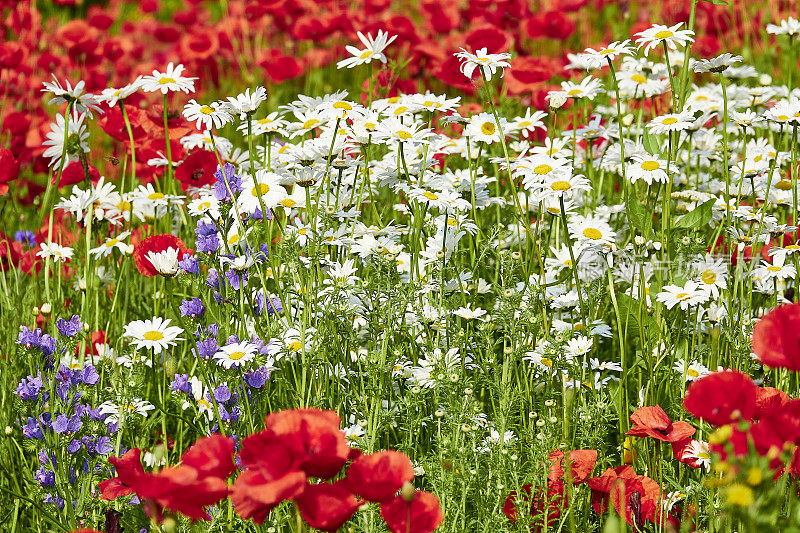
column 171, row 80
column 155, row 333
column 235, row 354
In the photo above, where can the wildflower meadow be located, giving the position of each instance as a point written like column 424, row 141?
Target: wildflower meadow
column 399, row 266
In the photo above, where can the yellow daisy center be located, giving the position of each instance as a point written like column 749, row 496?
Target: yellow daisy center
column 592, row 233
column 542, row 169
column 650, row 165
column 260, row 189
column 709, row 277
column 487, row 128
column 663, row 34
column 560, row 185
column 206, row 109
column 669, row 121
column 237, row 355
column 153, row 335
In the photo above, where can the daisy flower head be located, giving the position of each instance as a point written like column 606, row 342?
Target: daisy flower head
column 392, row 130
column 483, row 127
column 717, row 64
column 155, row 333
column 690, row 295
column 647, row 168
column 245, row 103
column 580, row 345
column 170, row 80
column 56, row 252
column 208, row 116
column 556, row 186
column 486, row 62
column 112, row 96
column 118, row 243
column 266, row 185
column 671, row 36
column 235, row 354
column 670, row 122
column 272, row 123
column 542, row 168
column 790, row 26
column 165, row 261
column 82, row 102
column 115, row 413
column 77, row 137
column 591, row 230
column 529, row 123
column 470, row 314
column 588, row 87
column 372, row 51
column 698, row 453
column 600, row 58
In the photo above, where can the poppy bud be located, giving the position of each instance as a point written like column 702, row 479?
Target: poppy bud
column 407, row 491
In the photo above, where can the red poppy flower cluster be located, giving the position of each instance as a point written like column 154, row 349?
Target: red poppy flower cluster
column 776, row 337
column 575, row 468
column 272, row 38
column 763, row 418
column 293, row 459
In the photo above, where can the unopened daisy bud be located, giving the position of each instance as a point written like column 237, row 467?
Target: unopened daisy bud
column 549, row 403
column 465, row 428
column 556, row 99
column 765, row 79
column 467, row 391
column 628, row 119
column 553, row 420
column 35, row 311
column 438, row 413
column 330, row 209
column 46, row 308
column 508, row 350
column 540, row 422
column 8, row 430
column 169, row 525
column 407, row 492
column 362, row 423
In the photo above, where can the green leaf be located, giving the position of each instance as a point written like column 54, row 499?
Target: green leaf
column 700, row 216
column 717, row 2
column 640, row 217
column 649, row 142
column 636, row 322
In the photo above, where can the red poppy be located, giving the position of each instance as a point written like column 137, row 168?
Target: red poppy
column 494, row 39
column 9, row 166
column 271, row 475
column 378, row 476
column 279, row 67
column 551, row 504
column 422, row 514
column 654, row 422
column 184, row 489
column 130, row 475
column 155, row 244
column 197, row 169
column 211, row 456
column 776, row 337
column 327, row 506
column 579, row 462
column 552, row 24
column 769, row 400
column 722, row 397
column 633, row 496
column 113, row 123
column 526, row 73
column 314, row 437
column 74, row 174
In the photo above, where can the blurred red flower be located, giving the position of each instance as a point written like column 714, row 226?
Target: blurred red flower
column 776, row 338
column 722, row 397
